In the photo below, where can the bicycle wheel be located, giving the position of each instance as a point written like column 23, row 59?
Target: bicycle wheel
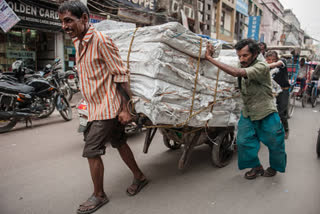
column 292, row 101
column 304, row 99
column 318, row 144
column 313, row 98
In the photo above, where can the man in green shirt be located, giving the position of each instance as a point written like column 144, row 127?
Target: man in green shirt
column 259, row 119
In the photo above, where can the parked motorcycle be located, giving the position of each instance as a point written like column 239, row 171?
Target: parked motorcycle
column 130, row 128
column 36, row 97
column 72, row 79
column 57, row 78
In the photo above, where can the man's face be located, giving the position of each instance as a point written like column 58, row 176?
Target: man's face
column 262, row 48
column 246, row 57
column 271, row 59
column 72, row 25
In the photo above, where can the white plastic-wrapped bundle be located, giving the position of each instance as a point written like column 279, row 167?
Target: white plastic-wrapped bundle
column 163, row 66
column 172, row 34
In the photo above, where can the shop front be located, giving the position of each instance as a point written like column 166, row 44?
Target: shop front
column 36, row 39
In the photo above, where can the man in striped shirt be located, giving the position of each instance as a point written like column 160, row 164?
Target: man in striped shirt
column 103, row 80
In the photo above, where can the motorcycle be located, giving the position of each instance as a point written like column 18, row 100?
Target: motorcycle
column 56, row 77
column 130, row 128
column 71, row 78
column 35, row 98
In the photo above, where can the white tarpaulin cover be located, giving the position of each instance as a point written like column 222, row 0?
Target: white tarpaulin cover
column 163, row 64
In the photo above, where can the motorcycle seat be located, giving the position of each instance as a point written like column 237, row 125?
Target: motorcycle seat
column 15, row 88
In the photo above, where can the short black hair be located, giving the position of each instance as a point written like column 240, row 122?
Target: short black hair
column 252, row 44
column 264, row 44
column 272, row 53
column 77, row 8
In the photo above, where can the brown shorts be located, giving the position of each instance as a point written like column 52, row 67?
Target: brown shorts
column 100, row 132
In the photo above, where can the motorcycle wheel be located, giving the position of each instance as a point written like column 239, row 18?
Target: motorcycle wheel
column 51, row 106
column 7, row 125
column 66, row 111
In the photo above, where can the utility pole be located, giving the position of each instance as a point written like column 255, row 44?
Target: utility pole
column 196, row 17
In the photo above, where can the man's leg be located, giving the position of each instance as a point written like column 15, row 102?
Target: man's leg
column 119, row 141
column 248, row 144
column 97, row 171
column 127, row 156
column 271, row 133
column 282, row 104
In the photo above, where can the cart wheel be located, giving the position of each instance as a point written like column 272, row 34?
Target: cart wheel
column 170, row 143
column 292, row 101
column 222, row 151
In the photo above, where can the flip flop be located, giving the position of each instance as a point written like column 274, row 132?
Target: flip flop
column 94, row 202
column 139, row 184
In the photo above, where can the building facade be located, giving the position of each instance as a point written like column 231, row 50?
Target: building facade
column 292, row 30
column 272, row 22
column 37, row 38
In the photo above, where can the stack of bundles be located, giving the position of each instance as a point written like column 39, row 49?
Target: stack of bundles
column 163, row 65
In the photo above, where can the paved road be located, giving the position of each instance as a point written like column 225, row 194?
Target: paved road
column 42, row 172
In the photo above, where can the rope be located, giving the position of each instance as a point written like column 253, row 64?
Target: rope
column 129, row 51
column 195, row 81
column 128, row 69
column 215, row 93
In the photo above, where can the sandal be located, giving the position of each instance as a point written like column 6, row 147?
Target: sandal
column 92, row 204
column 254, row 172
column 138, row 184
column 269, row 172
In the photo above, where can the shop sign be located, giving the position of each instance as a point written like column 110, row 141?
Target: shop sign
column 254, row 27
column 242, row 7
column 96, row 18
column 21, row 54
column 134, row 15
column 32, row 14
column 148, row 5
column 8, row 18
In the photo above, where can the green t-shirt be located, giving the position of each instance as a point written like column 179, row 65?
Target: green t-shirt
column 256, row 91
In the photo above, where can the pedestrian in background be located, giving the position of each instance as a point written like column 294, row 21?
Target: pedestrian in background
column 280, row 75
column 103, row 77
column 259, row 120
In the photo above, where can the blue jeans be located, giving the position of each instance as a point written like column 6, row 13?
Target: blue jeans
column 269, row 131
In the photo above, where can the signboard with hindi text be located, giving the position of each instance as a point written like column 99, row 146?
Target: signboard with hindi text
column 7, row 18
column 254, row 27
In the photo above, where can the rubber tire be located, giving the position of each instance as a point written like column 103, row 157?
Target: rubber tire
column 66, row 116
column 170, row 143
column 291, row 106
column 222, row 142
column 66, row 90
column 313, row 97
column 318, row 144
column 10, row 126
column 50, row 111
column 304, row 99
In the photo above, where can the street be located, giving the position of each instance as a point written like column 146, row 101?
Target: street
column 42, row 172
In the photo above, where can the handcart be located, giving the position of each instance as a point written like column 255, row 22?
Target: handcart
column 221, row 141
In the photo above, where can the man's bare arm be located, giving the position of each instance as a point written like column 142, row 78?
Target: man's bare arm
column 236, row 72
column 124, row 114
column 275, row 64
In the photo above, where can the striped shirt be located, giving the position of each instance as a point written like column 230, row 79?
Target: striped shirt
column 100, row 67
